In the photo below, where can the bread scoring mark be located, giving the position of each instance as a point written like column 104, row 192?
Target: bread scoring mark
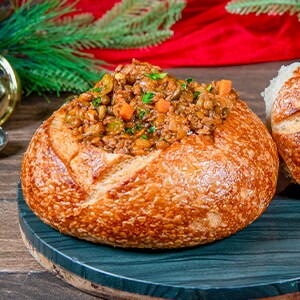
column 290, row 125
column 62, row 140
column 46, row 179
column 120, row 172
column 287, row 102
column 91, row 165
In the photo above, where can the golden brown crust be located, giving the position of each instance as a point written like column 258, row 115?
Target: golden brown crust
column 194, row 192
column 285, row 123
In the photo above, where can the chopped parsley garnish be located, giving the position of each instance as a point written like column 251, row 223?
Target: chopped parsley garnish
column 147, row 98
column 184, row 85
column 142, row 112
column 189, row 80
column 96, row 89
column 129, row 130
column 151, row 129
column 144, row 136
column 196, row 94
column 139, row 126
column 96, row 102
column 208, row 88
column 156, row 75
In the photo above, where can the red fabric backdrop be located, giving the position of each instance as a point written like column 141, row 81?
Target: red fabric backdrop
column 207, row 35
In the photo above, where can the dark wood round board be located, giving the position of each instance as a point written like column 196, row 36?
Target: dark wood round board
column 260, row 261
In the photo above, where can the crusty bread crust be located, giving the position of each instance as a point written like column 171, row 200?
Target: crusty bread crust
column 195, row 191
column 285, row 122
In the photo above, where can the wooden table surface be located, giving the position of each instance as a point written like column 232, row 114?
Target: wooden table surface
column 21, row 277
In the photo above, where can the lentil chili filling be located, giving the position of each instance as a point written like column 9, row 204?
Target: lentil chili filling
column 140, row 108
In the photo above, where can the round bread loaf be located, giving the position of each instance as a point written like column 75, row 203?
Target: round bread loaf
column 282, row 99
column 199, row 188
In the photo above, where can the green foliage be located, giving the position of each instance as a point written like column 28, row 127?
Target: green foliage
column 44, row 46
column 271, row 7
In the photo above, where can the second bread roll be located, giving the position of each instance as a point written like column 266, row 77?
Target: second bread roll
column 282, row 99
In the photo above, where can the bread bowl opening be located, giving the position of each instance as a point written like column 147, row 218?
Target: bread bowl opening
column 139, row 109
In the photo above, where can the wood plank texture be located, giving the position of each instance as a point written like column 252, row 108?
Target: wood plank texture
column 39, row 286
column 13, row 255
column 19, row 272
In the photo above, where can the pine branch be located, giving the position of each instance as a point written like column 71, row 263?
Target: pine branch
column 270, row 7
column 135, row 18
column 44, row 45
column 58, row 72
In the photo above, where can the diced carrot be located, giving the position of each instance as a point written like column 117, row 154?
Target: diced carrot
column 162, row 105
column 224, row 87
column 126, row 112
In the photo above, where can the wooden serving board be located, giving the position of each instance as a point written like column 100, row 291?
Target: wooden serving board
column 262, row 260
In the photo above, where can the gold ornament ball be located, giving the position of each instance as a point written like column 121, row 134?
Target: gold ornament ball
column 10, row 90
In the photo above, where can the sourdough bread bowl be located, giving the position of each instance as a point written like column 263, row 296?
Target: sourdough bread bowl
column 282, row 98
column 208, row 167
